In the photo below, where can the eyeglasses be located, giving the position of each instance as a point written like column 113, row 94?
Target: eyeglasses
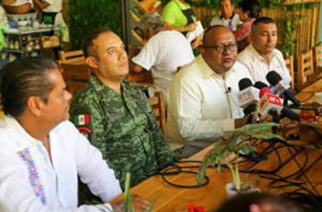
column 220, row 48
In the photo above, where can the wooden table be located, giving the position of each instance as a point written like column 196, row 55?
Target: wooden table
column 211, row 196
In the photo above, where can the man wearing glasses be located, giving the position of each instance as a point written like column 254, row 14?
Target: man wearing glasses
column 202, row 96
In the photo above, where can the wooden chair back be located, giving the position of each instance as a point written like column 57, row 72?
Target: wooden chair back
column 289, row 61
column 142, row 77
column 71, row 57
column 318, row 56
column 158, row 106
column 305, row 68
column 75, row 76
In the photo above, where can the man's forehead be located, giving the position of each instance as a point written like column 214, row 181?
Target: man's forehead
column 225, row 2
column 266, row 27
column 107, row 40
column 218, row 36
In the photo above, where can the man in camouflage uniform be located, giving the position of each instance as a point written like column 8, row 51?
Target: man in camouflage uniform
column 115, row 114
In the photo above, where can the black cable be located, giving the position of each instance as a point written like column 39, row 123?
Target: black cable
column 180, row 169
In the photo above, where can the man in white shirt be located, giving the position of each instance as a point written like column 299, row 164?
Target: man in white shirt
column 228, row 17
column 261, row 56
column 41, row 153
column 202, row 101
column 164, row 53
column 52, row 14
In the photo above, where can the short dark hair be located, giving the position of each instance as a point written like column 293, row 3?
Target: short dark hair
column 88, row 42
column 23, row 78
column 242, row 202
column 205, row 35
column 262, row 20
column 231, row 1
column 252, row 6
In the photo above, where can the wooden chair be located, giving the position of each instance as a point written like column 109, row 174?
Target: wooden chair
column 144, row 77
column 75, row 76
column 158, row 106
column 305, row 68
column 289, row 61
column 318, row 56
column 71, row 57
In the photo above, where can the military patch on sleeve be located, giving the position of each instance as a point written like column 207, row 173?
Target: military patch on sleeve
column 81, row 119
column 86, row 131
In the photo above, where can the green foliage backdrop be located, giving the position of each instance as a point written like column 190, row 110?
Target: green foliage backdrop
column 87, row 15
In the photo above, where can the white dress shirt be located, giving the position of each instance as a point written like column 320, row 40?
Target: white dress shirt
column 231, row 22
column 21, row 2
column 30, row 182
column 201, row 104
column 258, row 66
column 163, row 54
column 55, row 6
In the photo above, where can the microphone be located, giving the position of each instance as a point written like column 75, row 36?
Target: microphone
column 247, row 98
column 259, row 85
column 244, row 83
column 269, row 104
column 283, row 88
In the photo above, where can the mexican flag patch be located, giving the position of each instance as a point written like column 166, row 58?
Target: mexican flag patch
column 81, row 119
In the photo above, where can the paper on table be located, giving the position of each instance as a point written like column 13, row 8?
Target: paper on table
column 198, row 31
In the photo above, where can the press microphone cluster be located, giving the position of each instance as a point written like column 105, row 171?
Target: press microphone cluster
column 271, row 104
column 258, row 100
column 279, row 86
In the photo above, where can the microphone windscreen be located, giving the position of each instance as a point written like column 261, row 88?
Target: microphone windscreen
column 286, row 112
column 244, row 83
column 273, row 77
column 259, row 85
column 263, row 91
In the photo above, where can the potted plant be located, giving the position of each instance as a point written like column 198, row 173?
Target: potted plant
column 231, row 147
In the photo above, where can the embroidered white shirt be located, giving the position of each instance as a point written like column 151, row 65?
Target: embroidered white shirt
column 200, row 108
column 259, row 68
column 30, row 182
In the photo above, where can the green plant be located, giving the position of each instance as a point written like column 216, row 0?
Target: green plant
column 236, row 142
column 128, row 207
column 87, row 15
column 288, row 45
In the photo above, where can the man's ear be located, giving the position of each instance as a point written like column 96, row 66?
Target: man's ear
column 91, row 62
column 202, row 50
column 35, row 105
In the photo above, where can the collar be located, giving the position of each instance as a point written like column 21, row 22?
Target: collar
column 208, row 72
column 24, row 138
column 230, row 18
column 103, row 90
column 257, row 56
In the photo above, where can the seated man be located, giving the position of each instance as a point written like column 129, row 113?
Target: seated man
column 228, row 17
column 116, row 115
column 261, row 56
column 202, row 102
column 164, row 53
column 41, row 153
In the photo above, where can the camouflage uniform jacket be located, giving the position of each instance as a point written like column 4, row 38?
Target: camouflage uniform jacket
column 123, row 127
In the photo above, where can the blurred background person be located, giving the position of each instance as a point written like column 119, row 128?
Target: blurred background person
column 163, row 54
column 178, row 15
column 257, row 202
column 249, row 11
column 228, row 17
